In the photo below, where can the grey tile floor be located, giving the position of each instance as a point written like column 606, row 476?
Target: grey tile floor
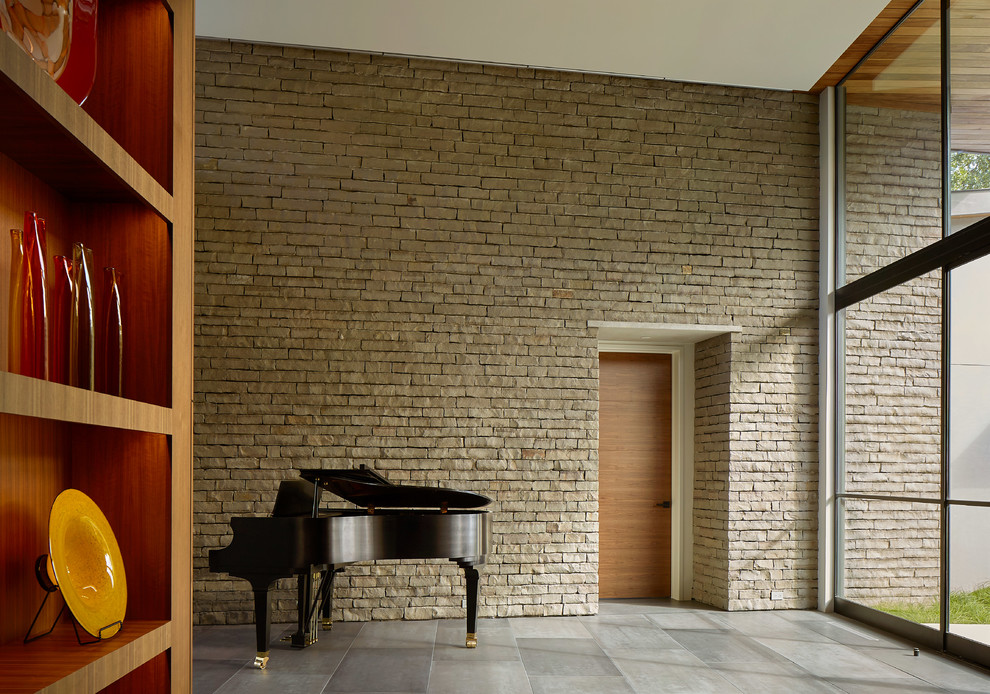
column 631, row 647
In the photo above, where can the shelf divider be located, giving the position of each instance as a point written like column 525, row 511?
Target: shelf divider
column 33, row 397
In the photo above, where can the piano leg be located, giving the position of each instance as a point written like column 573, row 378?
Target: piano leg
column 306, row 634
column 262, row 620
column 326, row 597
column 471, row 580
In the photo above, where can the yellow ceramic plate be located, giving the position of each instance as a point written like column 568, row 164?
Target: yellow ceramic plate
column 87, row 563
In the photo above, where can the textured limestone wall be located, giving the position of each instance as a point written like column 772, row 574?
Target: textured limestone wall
column 397, row 260
column 893, row 351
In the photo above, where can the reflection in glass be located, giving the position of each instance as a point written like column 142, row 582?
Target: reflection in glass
column 969, row 573
column 969, row 382
column 969, row 163
column 893, row 351
column 892, row 147
column 890, row 557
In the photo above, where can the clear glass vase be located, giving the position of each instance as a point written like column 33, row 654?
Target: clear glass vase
column 113, row 333
column 82, row 331
column 61, row 300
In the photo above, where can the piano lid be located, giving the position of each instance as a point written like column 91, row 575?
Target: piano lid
column 367, row 488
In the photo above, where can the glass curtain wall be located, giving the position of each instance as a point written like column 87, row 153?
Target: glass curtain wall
column 913, row 352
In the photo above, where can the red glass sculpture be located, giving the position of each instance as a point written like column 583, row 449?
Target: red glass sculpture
column 15, row 319
column 60, row 35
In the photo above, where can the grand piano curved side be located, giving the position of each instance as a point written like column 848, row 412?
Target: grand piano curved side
column 301, row 539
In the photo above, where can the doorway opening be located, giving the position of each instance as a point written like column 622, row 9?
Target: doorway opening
column 677, row 342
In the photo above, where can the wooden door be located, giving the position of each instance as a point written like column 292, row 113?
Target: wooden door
column 634, row 475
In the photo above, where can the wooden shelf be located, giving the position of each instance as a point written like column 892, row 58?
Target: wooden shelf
column 57, row 664
column 32, row 397
column 47, row 133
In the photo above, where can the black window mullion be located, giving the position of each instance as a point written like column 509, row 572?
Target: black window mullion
column 952, row 251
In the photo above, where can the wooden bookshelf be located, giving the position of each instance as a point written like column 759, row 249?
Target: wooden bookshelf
column 117, row 175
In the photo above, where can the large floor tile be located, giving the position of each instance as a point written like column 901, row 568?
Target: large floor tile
column 769, row 624
column 565, row 657
column 397, row 635
column 254, row 681
column 933, row 669
column 773, row 678
column 684, row 620
column 224, row 642
column 627, row 631
column 548, row 628
column 833, row 661
column 670, row 671
column 850, row 633
column 722, row 646
column 381, row 669
column 853, row 685
column 580, row 685
column 646, row 606
column 495, row 643
column 450, row 677
column 210, row 675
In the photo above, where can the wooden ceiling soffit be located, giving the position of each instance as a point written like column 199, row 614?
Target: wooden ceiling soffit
column 861, row 46
column 905, row 71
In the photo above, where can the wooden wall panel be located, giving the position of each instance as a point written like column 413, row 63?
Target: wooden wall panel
column 134, row 45
column 150, row 678
column 33, row 470
column 128, row 475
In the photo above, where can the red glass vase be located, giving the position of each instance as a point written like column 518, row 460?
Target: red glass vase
column 15, row 318
column 82, row 331
column 113, row 335
column 61, row 299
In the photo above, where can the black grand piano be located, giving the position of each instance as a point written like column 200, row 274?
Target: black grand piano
column 303, row 539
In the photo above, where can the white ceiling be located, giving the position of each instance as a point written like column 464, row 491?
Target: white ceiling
column 776, row 44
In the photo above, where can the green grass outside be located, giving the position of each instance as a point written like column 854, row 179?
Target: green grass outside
column 964, row 608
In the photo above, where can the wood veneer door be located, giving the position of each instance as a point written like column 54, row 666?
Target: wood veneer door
column 634, row 445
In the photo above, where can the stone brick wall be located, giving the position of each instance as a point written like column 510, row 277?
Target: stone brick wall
column 713, row 397
column 893, row 351
column 397, row 260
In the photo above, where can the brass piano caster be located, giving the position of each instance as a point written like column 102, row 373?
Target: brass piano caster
column 327, row 624
column 471, row 641
column 261, row 660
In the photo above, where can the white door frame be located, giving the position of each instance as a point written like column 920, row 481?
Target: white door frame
column 677, row 340
column 681, row 457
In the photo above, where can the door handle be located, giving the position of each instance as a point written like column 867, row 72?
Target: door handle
column 664, row 504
